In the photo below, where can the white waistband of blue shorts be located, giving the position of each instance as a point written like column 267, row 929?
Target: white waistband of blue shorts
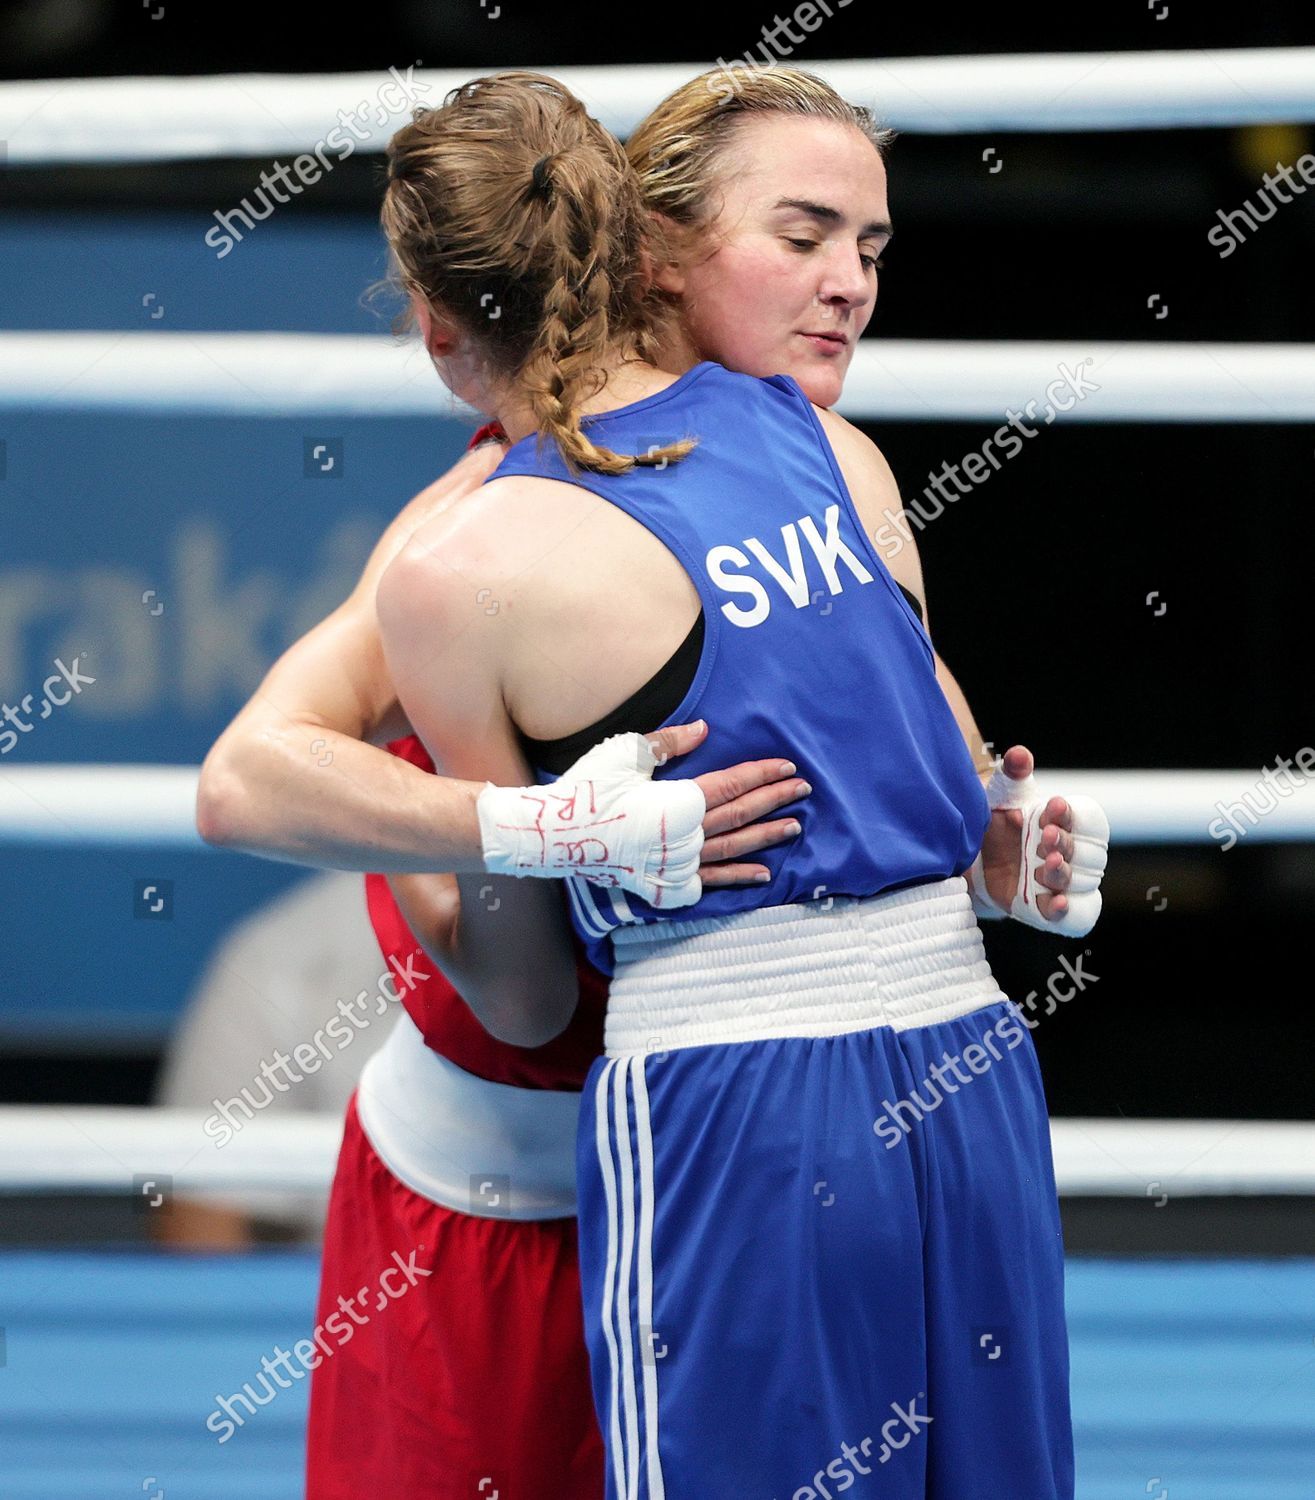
column 482, row 1148
column 902, row 959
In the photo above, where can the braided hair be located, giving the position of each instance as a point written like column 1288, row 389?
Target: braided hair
column 518, row 214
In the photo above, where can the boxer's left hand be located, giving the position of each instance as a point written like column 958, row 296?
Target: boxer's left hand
column 1066, row 833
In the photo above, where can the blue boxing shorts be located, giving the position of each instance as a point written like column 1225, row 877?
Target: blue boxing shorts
column 819, row 1236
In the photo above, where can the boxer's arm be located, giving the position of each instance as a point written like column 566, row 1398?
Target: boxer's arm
column 875, row 493
column 300, row 774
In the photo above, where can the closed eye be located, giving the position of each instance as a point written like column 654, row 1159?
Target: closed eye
column 872, row 261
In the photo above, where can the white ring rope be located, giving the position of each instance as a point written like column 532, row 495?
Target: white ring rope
column 362, row 375
column 259, row 114
column 109, row 806
column 46, row 1148
column 52, row 1148
column 99, row 807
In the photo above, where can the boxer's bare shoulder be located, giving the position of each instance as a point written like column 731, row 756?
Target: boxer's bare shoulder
column 458, row 483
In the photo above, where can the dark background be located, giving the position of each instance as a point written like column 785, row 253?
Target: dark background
column 1037, row 583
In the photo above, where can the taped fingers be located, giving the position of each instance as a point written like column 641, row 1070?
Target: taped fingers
column 1091, row 845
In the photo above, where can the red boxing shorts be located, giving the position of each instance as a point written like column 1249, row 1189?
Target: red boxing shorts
column 455, row 1365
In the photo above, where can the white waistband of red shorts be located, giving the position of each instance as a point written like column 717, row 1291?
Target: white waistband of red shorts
column 902, row 959
column 481, row 1148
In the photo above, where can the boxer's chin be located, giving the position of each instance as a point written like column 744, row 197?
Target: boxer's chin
column 821, row 384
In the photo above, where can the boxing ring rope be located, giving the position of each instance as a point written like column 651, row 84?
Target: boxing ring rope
column 256, row 114
column 108, row 806
column 363, row 375
column 61, row 1148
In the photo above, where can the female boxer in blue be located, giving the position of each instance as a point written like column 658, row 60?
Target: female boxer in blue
column 819, row 1236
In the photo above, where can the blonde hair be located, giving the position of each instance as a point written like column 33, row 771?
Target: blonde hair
column 678, row 151
column 516, row 213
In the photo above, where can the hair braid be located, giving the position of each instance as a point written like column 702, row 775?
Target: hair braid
column 583, row 310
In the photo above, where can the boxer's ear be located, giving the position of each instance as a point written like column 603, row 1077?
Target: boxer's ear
column 664, row 255
column 438, row 332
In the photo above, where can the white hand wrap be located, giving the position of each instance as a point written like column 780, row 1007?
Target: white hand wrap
column 1091, row 842
column 606, row 819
